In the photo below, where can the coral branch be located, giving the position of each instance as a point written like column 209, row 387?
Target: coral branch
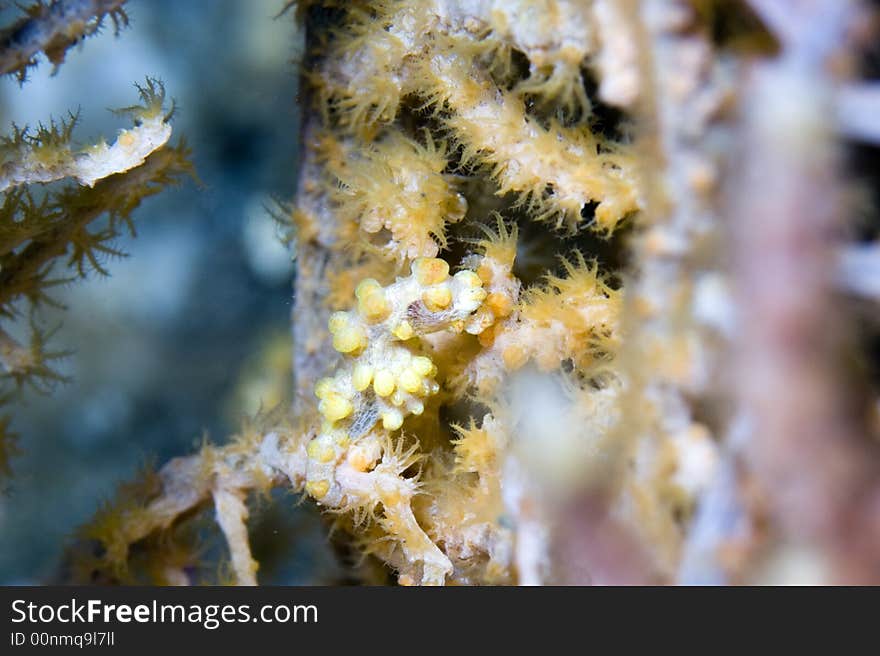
column 118, row 196
column 53, row 29
column 231, row 514
column 46, row 156
column 559, row 170
column 258, row 459
column 806, row 446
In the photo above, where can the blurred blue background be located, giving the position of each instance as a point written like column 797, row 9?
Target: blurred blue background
column 191, row 330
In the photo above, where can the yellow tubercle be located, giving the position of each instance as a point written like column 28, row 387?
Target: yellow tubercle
column 337, row 321
column 361, row 376
column 373, row 307
column 335, row 407
column 324, row 387
column 437, row 299
column 366, row 287
column 383, row 382
column 469, row 278
column 320, row 451
column 372, row 304
column 403, row 331
column 500, row 304
column 474, row 296
column 410, row 381
column 349, row 339
column 392, row 420
column 423, row 366
column 487, row 337
column 318, row 489
column 430, row 270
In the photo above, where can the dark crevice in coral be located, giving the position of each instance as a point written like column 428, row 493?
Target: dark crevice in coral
column 863, row 164
column 357, row 568
column 605, row 120
column 513, row 71
column 733, row 26
column 540, row 244
column 417, row 121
